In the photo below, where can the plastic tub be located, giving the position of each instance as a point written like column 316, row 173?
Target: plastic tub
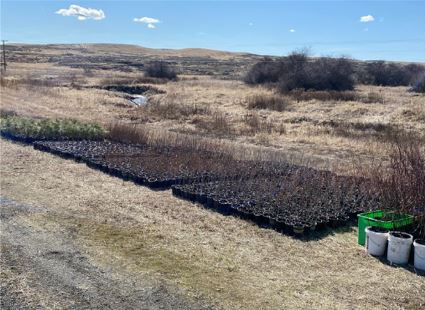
column 386, row 220
column 376, row 241
column 419, row 246
column 399, row 245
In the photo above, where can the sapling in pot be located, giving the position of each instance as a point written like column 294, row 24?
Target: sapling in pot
column 401, row 186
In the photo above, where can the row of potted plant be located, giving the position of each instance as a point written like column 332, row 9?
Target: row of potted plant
column 397, row 246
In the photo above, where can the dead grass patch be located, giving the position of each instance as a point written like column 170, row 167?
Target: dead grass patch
column 270, row 102
column 215, row 123
column 240, row 266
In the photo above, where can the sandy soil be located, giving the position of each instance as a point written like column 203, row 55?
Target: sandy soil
column 73, row 237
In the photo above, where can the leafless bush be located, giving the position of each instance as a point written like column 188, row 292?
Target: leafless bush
column 419, row 85
column 270, row 102
column 401, row 183
column 320, row 74
column 160, row 69
column 390, row 74
column 266, row 71
column 297, row 71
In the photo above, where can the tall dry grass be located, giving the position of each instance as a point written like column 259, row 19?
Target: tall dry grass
column 270, row 102
column 144, row 135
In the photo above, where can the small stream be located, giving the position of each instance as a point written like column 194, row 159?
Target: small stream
column 139, row 100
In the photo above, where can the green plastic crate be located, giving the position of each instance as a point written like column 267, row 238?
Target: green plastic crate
column 375, row 218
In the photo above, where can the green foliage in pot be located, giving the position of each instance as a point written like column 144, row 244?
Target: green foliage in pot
column 50, row 129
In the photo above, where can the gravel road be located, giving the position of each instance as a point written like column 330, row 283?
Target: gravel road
column 45, row 269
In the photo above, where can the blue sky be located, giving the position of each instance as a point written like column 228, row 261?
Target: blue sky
column 392, row 30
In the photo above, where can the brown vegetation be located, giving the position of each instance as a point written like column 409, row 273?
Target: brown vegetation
column 134, row 233
column 319, row 126
column 271, row 102
column 161, row 70
column 401, row 182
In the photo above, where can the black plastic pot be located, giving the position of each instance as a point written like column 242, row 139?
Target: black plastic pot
column 224, row 207
column 210, row 202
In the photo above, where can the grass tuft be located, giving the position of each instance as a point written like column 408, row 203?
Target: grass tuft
column 269, row 102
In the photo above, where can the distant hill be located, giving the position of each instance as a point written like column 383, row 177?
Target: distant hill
column 126, row 57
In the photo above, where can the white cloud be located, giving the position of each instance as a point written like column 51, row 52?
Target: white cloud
column 147, row 20
column 292, row 30
column 82, row 13
column 251, row 24
column 367, row 19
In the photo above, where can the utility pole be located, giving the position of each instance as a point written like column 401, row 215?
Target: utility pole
column 4, row 55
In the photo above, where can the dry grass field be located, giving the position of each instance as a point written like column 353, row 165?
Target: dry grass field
column 99, row 234
column 205, row 259
column 326, row 133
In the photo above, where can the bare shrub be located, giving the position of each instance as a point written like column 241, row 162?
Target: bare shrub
column 266, row 71
column 401, row 184
column 160, row 69
column 419, row 85
column 320, row 74
column 297, row 71
column 390, row 74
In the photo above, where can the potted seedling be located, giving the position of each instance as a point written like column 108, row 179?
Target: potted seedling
column 400, row 184
column 419, row 256
column 419, row 245
column 399, row 246
column 376, row 240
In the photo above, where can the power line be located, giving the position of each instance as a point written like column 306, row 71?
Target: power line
column 4, row 55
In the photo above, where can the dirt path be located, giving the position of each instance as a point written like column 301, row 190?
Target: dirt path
column 73, row 237
column 42, row 268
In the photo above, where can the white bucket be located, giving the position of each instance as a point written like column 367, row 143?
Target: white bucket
column 376, row 242
column 419, row 255
column 399, row 244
